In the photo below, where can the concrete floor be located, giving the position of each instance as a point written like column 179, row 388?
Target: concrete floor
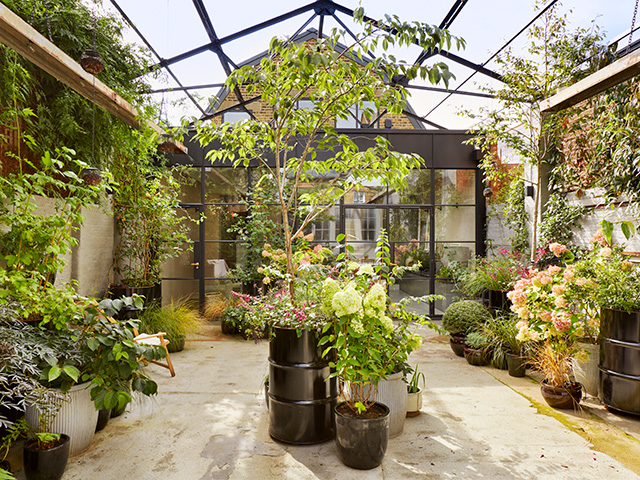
column 210, row 422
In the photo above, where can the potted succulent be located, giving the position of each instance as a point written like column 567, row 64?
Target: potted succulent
column 414, row 392
column 461, row 318
column 476, row 348
column 369, row 347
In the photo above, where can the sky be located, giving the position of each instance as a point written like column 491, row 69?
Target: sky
column 173, row 27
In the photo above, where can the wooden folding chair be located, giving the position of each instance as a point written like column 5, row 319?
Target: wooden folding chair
column 155, row 339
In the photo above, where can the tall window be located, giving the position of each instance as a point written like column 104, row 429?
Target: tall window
column 369, row 224
column 322, row 231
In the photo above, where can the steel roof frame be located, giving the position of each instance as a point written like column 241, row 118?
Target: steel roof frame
column 320, row 8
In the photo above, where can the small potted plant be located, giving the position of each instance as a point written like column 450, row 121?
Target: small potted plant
column 558, row 388
column 414, row 401
column 476, row 348
column 461, row 318
column 369, row 347
column 45, row 454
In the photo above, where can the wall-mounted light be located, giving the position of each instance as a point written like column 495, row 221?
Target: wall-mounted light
column 487, row 192
column 529, row 191
column 388, row 123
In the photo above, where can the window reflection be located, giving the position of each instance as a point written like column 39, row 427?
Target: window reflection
column 418, row 190
column 409, row 224
column 455, row 224
column 455, row 187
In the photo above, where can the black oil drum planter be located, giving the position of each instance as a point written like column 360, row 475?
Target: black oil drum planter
column 620, row 360
column 301, row 400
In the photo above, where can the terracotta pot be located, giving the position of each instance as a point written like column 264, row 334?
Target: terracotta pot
column 457, row 344
column 564, row 397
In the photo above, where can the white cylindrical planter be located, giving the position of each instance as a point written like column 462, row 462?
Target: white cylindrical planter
column 414, row 403
column 77, row 418
column 393, row 393
column 587, row 372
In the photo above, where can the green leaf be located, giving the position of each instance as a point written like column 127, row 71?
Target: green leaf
column 628, row 229
column 72, row 371
column 54, row 373
column 607, row 230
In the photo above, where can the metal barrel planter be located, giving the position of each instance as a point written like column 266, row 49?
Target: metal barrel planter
column 301, row 399
column 620, row 360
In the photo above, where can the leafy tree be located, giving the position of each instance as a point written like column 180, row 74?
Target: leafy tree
column 295, row 144
column 555, row 58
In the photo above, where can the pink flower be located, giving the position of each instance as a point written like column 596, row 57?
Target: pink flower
column 562, row 324
column 605, row 252
column 546, row 316
column 569, row 273
column 553, row 269
column 599, row 239
column 558, row 249
column 544, row 278
column 581, row 282
column 560, row 302
column 317, row 249
column 558, row 289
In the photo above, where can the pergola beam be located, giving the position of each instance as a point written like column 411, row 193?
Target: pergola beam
column 609, row 76
column 15, row 33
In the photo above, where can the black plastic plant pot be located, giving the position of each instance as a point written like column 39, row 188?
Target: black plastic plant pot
column 620, row 360
column 361, row 442
column 301, row 399
column 48, row 464
column 103, row 418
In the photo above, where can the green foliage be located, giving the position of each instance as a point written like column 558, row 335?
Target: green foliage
column 177, row 319
column 477, row 340
column 150, row 227
column 559, row 220
column 367, row 343
column 416, row 378
column 515, row 216
column 260, row 226
column 332, row 81
column 555, row 58
column 115, row 369
column 464, row 317
column 32, row 243
column 63, row 117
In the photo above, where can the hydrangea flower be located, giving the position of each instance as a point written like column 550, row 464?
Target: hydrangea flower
column 375, row 300
column 387, row 323
column 329, row 288
column 346, row 302
column 366, row 270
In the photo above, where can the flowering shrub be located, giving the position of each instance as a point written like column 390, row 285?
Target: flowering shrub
column 497, row 273
column 368, row 344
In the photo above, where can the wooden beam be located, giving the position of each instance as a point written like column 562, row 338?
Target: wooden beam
column 609, row 76
column 15, row 33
